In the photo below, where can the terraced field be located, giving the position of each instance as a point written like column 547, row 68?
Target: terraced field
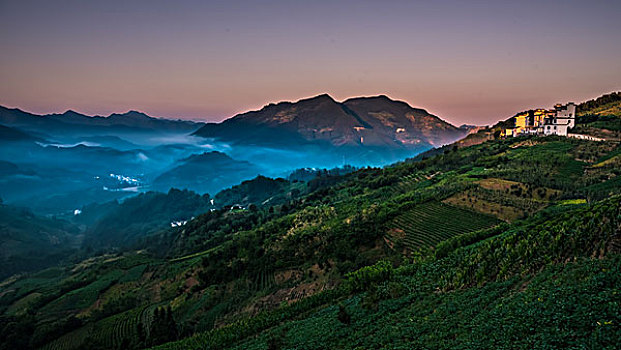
column 115, row 330
column 112, row 332
column 506, row 200
column 71, row 340
column 147, row 315
column 264, row 280
column 409, row 181
column 432, row 222
column 84, row 297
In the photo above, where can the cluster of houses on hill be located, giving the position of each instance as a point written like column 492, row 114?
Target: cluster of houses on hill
column 555, row 121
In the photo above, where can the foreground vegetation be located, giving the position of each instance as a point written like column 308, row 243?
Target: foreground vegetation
column 532, row 286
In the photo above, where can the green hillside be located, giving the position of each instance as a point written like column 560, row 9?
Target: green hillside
column 609, row 104
column 533, row 286
column 512, row 243
column 29, row 242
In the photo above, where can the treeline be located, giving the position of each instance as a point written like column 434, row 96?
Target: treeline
column 598, row 102
column 253, row 191
column 307, row 174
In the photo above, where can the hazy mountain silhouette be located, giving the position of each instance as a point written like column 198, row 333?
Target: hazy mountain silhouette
column 8, row 134
column 71, row 121
column 206, row 173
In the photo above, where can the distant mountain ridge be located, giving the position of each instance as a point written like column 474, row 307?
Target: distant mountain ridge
column 13, row 134
column 376, row 121
column 74, row 121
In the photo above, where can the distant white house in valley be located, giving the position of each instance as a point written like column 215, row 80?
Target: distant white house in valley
column 178, row 223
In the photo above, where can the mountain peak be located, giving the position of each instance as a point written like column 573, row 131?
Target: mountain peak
column 131, row 114
column 72, row 113
column 211, row 156
column 319, row 98
column 133, row 111
column 324, row 96
column 378, row 98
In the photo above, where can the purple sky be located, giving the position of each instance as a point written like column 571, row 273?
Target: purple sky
column 466, row 61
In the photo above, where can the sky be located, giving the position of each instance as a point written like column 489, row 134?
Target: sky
column 472, row 62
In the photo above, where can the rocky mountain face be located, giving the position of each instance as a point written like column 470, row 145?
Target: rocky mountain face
column 365, row 121
column 401, row 122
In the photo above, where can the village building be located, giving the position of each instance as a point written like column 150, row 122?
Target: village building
column 564, row 119
column 557, row 121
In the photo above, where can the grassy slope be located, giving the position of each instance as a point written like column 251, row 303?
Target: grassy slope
column 606, row 105
column 613, row 108
column 549, row 283
column 549, row 157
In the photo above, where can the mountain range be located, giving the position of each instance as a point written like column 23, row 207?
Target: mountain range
column 374, row 122
column 364, row 121
column 71, row 121
column 71, row 153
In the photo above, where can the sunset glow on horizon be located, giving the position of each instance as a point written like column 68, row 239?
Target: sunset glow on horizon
column 467, row 62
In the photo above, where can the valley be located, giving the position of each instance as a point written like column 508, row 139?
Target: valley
column 69, row 156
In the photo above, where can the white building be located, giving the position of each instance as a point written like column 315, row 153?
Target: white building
column 564, row 119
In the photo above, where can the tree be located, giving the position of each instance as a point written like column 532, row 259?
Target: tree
column 277, row 340
column 343, row 316
column 163, row 328
column 16, row 332
column 142, row 337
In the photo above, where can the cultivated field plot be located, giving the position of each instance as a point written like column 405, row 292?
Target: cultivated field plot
column 504, row 199
column 432, row 222
column 113, row 332
column 409, row 180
